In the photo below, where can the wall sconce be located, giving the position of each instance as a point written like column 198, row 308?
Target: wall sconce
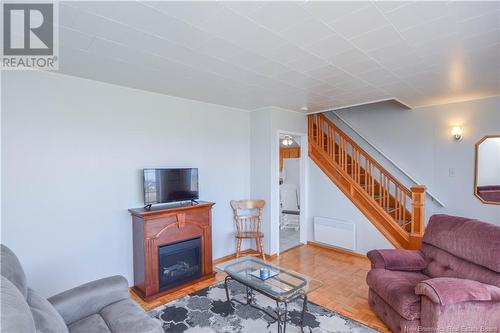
column 457, row 133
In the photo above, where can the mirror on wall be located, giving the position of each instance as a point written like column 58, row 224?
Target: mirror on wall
column 487, row 175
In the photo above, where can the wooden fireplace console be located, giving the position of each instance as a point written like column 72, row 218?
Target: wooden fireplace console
column 164, row 225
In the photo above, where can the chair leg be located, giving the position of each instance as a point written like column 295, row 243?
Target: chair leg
column 238, row 247
column 261, row 248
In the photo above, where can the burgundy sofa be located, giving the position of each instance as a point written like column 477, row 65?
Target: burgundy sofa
column 452, row 282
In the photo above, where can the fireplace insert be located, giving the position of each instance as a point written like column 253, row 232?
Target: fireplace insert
column 179, row 262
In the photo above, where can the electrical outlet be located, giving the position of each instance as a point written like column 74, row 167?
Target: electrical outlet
column 451, row 173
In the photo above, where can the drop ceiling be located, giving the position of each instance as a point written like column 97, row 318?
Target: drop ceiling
column 322, row 55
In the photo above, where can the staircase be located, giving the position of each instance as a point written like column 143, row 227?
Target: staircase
column 396, row 211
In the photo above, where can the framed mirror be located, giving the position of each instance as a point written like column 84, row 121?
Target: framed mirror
column 487, row 170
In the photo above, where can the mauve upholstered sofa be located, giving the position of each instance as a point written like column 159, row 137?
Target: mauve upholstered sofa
column 452, row 284
column 100, row 306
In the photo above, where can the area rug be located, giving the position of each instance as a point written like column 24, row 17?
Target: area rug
column 207, row 311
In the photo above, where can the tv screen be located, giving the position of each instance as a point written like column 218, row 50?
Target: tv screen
column 168, row 185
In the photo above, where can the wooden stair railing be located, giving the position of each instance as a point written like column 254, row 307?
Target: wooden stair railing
column 396, row 211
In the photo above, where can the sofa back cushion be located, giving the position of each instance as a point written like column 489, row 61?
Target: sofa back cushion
column 443, row 264
column 471, row 240
column 11, row 269
column 15, row 313
column 45, row 316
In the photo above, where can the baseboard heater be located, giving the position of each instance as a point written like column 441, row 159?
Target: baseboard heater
column 335, row 232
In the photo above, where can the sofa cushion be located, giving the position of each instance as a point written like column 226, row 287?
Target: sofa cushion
column 128, row 316
column 443, row 264
column 12, row 270
column 469, row 239
column 47, row 319
column 15, row 314
column 90, row 324
column 397, row 288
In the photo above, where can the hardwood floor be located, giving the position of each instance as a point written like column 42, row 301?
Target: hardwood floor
column 343, row 276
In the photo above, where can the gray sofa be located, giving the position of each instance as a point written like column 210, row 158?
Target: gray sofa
column 95, row 307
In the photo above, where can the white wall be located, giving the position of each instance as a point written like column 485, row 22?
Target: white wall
column 488, row 162
column 420, row 141
column 72, row 154
column 327, row 200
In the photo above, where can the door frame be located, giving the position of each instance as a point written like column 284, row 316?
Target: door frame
column 275, row 197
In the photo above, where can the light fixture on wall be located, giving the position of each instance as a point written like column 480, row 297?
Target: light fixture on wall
column 287, row 141
column 457, row 133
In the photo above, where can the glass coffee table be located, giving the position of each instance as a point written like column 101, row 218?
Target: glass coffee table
column 281, row 285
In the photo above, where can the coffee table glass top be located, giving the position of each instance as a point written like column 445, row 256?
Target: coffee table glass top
column 283, row 285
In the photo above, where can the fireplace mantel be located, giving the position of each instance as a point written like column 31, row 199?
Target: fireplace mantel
column 160, row 226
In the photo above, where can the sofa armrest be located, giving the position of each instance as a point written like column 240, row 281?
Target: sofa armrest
column 397, row 260
column 90, row 298
column 446, row 291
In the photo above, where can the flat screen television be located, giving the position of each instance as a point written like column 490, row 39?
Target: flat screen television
column 170, row 185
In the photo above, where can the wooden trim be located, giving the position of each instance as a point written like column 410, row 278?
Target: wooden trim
column 247, row 252
column 336, row 249
column 476, row 157
column 292, row 248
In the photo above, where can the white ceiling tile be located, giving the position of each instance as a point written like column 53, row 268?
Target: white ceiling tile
column 306, row 63
column 70, row 38
column 194, row 12
column 219, row 48
column 358, row 67
column 352, row 55
column 67, row 14
column 394, row 50
column 248, row 59
column 296, row 79
column 464, row 10
column 378, row 77
column 480, row 24
column 359, row 22
column 328, row 11
column 244, row 8
column 417, row 13
column 329, row 46
column 279, row 16
column 306, row 32
column 144, row 18
column 271, row 68
column 389, row 6
column 257, row 39
column 326, row 72
column 286, row 52
column 481, row 40
column 442, row 26
column 377, row 38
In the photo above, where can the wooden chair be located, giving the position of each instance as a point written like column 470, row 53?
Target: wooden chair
column 248, row 218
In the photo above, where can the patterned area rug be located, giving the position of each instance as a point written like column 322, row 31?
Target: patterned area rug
column 207, row 311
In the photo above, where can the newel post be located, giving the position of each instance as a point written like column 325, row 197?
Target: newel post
column 418, row 210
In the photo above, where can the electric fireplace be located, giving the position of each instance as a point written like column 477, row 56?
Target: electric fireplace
column 179, row 262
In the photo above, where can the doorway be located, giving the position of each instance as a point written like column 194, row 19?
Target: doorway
column 289, row 191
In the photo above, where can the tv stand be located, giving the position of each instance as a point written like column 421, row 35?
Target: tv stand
column 148, row 207
column 194, row 202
